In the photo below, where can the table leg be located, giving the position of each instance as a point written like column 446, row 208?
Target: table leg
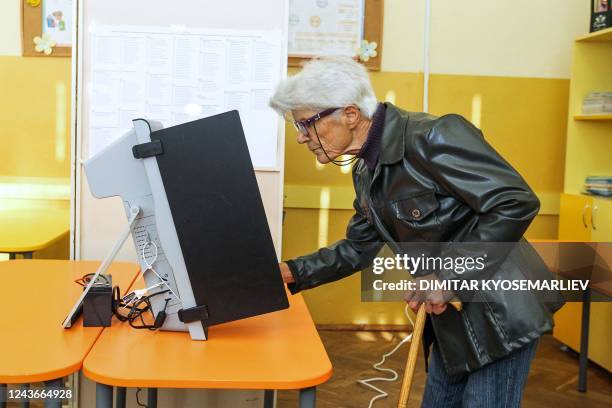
column 3, row 395
column 584, row 340
column 25, row 403
column 104, row 396
column 269, row 398
column 120, row 397
column 152, row 398
column 27, row 255
column 308, row 397
column 54, row 403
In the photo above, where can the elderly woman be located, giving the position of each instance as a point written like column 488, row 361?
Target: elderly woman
column 420, row 178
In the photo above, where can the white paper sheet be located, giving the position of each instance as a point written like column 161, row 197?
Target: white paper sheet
column 106, row 51
column 132, row 90
column 186, row 56
column 132, row 54
column 178, row 76
column 105, row 88
column 104, row 119
column 183, row 96
column 159, row 53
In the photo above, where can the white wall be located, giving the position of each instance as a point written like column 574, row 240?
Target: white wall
column 523, row 38
column 10, row 28
column 403, row 35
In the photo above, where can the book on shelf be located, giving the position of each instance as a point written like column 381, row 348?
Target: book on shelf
column 597, row 103
column 598, row 185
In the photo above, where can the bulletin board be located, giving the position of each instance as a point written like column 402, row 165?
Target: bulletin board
column 97, row 223
column 372, row 27
column 46, row 28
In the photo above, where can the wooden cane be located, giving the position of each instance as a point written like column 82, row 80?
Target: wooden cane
column 413, row 352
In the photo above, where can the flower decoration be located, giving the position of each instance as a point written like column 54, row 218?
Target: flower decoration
column 367, row 51
column 44, row 44
column 33, row 3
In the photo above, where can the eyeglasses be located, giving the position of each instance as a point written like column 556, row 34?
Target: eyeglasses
column 302, row 125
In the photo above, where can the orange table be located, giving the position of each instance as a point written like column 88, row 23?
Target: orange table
column 37, row 296
column 280, row 350
column 27, row 226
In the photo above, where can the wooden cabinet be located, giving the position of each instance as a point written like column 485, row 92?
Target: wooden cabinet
column 575, row 218
column 601, row 219
column 584, row 218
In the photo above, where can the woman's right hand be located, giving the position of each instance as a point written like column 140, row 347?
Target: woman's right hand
column 286, row 273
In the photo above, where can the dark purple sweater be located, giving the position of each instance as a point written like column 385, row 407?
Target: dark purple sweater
column 371, row 148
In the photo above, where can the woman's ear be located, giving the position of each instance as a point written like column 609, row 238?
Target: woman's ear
column 352, row 116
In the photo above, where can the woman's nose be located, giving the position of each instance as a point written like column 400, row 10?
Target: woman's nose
column 302, row 138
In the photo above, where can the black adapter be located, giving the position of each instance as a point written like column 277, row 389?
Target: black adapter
column 98, row 303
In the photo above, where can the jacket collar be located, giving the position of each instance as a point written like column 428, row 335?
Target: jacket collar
column 392, row 143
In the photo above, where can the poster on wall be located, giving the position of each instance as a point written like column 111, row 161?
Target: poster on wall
column 325, row 27
column 351, row 28
column 57, row 21
column 601, row 15
column 46, row 28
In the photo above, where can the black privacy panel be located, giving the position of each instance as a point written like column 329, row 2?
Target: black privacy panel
column 219, row 217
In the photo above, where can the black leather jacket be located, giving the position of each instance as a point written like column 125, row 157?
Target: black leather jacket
column 438, row 180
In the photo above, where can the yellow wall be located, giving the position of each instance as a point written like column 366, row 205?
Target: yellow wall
column 523, row 118
column 35, row 117
column 34, row 109
column 34, row 124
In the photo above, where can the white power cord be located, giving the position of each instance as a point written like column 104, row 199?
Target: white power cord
column 377, row 366
column 149, row 265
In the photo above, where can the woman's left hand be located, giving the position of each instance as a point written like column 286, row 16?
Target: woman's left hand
column 435, row 301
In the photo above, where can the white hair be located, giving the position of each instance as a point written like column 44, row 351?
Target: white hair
column 327, row 82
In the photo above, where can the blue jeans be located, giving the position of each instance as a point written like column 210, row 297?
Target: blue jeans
column 499, row 384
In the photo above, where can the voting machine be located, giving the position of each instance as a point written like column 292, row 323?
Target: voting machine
column 197, row 220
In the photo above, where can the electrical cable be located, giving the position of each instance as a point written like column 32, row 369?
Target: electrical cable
column 137, row 312
column 137, row 309
column 377, row 367
column 150, row 267
column 137, row 302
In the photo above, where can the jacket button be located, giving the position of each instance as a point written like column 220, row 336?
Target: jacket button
column 416, row 213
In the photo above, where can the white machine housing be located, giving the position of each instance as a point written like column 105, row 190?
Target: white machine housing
column 114, row 171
